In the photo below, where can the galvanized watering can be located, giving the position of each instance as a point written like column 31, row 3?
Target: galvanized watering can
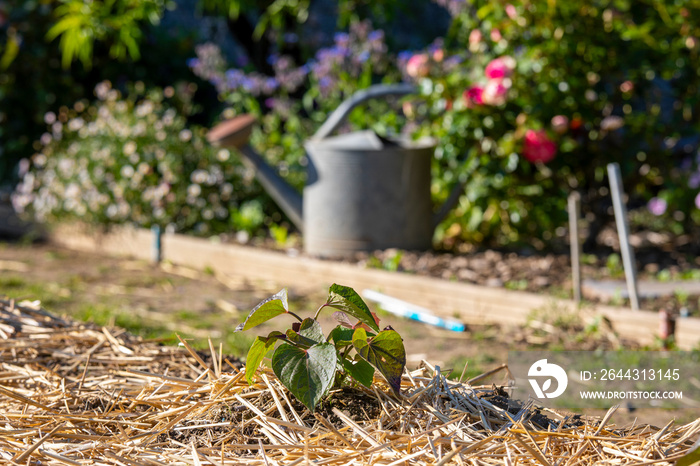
column 363, row 192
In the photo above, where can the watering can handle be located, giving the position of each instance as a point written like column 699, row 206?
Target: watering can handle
column 378, row 90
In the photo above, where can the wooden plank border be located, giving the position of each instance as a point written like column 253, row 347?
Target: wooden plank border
column 472, row 304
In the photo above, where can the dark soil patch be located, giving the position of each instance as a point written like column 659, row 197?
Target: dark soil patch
column 354, row 403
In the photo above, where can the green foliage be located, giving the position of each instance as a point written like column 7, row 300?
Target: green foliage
column 593, row 78
column 529, row 100
column 292, row 103
column 132, row 160
column 309, row 364
column 614, row 266
column 271, row 307
column 115, row 22
column 34, row 82
column 584, row 84
column 385, row 352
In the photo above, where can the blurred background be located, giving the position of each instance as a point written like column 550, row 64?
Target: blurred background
column 104, row 104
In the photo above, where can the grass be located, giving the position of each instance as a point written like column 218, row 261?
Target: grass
column 476, row 365
column 72, row 298
column 52, row 295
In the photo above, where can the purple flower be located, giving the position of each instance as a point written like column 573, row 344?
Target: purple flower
column 404, row 55
column 338, row 51
column 248, row 84
column 376, row 35
column 657, row 206
column 697, row 201
column 342, row 39
column 325, row 82
column 234, row 78
column 193, row 62
column 694, row 180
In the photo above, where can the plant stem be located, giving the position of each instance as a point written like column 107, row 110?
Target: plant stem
column 346, row 351
column 319, row 311
column 295, row 316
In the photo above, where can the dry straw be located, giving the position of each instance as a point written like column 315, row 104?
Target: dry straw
column 77, row 394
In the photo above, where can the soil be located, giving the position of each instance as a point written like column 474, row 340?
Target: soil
column 170, row 296
column 658, row 257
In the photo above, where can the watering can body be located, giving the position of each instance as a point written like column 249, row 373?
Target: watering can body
column 363, row 192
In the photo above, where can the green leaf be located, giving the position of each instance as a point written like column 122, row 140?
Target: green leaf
column 347, row 300
column 266, row 310
column 691, row 456
column 256, row 353
column 308, row 374
column 360, row 370
column 385, row 352
column 306, row 334
column 342, row 336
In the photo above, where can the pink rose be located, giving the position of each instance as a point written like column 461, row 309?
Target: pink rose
column 560, row 124
column 417, row 66
column 538, row 147
column 474, row 37
column 494, row 92
column 501, row 67
column 496, row 35
column 511, row 11
column 409, row 109
column 473, row 96
column 657, row 206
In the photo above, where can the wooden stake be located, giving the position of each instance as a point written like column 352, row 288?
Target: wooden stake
column 628, row 259
column 574, row 205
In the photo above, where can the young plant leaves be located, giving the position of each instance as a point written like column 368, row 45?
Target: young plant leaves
column 266, row 310
column 360, row 370
column 256, row 353
column 347, row 300
column 308, row 333
column 341, row 336
column 308, row 374
column 385, row 352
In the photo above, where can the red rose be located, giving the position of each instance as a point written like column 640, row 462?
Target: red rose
column 538, row 147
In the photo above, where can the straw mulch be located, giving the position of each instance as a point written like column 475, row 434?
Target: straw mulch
column 77, row 394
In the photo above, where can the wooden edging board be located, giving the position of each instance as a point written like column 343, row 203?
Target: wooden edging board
column 472, row 304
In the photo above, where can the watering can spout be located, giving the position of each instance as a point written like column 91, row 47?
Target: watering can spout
column 449, row 203
column 235, row 133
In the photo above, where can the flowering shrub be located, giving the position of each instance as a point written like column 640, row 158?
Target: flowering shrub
column 293, row 103
column 132, row 160
column 545, row 95
column 529, row 100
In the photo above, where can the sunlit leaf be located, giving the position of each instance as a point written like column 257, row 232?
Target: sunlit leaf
column 306, row 334
column 360, row 370
column 307, row 374
column 341, row 335
column 347, row 300
column 271, row 307
column 385, row 352
column 257, row 352
column 691, row 456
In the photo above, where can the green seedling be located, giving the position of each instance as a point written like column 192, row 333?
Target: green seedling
column 309, row 364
